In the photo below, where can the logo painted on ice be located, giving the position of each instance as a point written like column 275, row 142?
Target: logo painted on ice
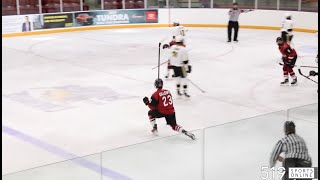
column 53, row 99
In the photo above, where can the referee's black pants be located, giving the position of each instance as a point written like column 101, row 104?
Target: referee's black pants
column 294, row 162
column 235, row 25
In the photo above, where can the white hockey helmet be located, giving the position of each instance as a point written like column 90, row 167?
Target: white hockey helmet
column 176, row 22
column 179, row 39
column 287, row 15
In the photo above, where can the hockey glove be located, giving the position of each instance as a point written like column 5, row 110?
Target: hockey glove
column 146, row 101
column 165, row 46
column 189, row 69
column 312, row 73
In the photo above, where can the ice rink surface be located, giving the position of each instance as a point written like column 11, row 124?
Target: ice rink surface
column 73, row 94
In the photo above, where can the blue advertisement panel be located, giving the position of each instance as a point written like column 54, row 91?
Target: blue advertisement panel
column 110, row 17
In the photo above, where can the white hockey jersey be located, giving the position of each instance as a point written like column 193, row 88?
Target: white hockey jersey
column 178, row 54
column 286, row 25
column 178, row 31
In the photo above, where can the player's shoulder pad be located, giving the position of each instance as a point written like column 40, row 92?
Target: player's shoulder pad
column 285, row 46
column 155, row 95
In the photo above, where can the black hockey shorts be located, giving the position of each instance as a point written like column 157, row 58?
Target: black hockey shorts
column 284, row 36
column 294, row 162
column 291, row 63
column 170, row 118
column 290, row 37
column 179, row 72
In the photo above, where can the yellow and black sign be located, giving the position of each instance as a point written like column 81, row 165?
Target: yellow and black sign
column 57, row 20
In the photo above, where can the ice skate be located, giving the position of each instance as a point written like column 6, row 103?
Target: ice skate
column 286, row 81
column 155, row 130
column 192, row 136
column 294, row 81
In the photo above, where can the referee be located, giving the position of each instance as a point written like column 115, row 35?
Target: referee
column 295, row 150
column 233, row 21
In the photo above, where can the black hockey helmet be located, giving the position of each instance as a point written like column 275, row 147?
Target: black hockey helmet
column 289, row 127
column 279, row 39
column 165, row 46
column 158, row 83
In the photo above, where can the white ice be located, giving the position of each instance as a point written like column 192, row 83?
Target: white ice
column 97, row 79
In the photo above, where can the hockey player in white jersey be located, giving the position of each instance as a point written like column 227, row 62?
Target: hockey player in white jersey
column 177, row 31
column 180, row 64
column 286, row 29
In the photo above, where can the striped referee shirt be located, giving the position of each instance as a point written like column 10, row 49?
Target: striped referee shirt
column 234, row 13
column 293, row 146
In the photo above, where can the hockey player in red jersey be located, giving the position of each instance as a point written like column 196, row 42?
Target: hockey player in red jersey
column 289, row 57
column 161, row 105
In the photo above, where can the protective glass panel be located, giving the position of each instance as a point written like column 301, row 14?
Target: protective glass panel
column 71, row 5
column 170, row 158
column 9, row 7
column 309, row 5
column 134, row 4
column 267, row 4
column 222, row 3
column 84, row 168
column 238, row 150
column 290, row 5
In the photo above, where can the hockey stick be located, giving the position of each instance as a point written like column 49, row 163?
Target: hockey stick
column 196, row 85
column 160, row 64
column 300, row 72
column 159, row 60
column 159, row 49
column 302, row 66
column 163, row 63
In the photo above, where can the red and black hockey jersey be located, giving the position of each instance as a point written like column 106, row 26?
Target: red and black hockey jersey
column 162, row 101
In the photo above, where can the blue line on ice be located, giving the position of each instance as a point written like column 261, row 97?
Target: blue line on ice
column 64, row 154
